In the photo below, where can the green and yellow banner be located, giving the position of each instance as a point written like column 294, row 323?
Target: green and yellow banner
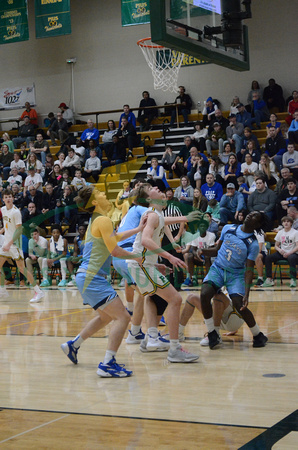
column 135, row 12
column 13, row 21
column 52, row 18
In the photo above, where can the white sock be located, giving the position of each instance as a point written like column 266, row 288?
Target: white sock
column 63, row 268
column 129, row 306
column 36, row 289
column 153, row 332
column 45, row 268
column 135, row 329
column 174, row 344
column 181, row 328
column 78, row 341
column 108, row 356
column 209, row 324
column 255, row 330
column 216, row 329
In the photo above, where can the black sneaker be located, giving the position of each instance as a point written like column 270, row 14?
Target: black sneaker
column 259, row 340
column 259, row 282
column 214, row 339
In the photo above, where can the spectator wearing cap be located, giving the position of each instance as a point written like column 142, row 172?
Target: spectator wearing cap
column 31, row 113
column 235, row 132
column 26, row 133
column 230, row 204
column 58, row 129
column 243, row 116
column 33, row 179
column 209, row 111
column 67, row 114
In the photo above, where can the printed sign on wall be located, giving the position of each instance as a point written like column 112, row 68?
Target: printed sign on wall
column 52, row 18
column 13, row 21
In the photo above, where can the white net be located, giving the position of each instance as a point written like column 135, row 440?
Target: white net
column 164, row 64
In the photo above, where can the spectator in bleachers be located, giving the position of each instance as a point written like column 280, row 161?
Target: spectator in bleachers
column 168, row 159
column 41, row 148
column 5, row 160
column 184, row 106
column 18, row 164
column 243, row 188
column 78, row 182
column 107, row 137
column 37, row 250
column 65, row 206
column 49, row 201
column 293, row 212
column 290, row 160
column 262, row 199
column 92, row 166
column 67, row 114
column 250, row 150
column 123, row 195
column 259, row 110
column 156, row 172
column 293, row 130
column 48, row 166
column 212, row 189
column 8, row 141
column 248, row 136
column 255, row 87
column 56, row 256
column 128, row 135
column 79, row 150
column 286, row 247
column 184, row 154
column 209, row 111
column 216, row 168
column 287, row 197
column 31, row 215
column 234, row 104
column 200, row 135
column 58, row 130
column 145, row 116
column 76, row 258
column 55, row 175
column 248, row 169
column 129, row 116
column 275, row 146
column 14, row 178
column 230, row 204
column 243, row 116
column 90, row 133
column 33, row 162
column 25, row 133
column 31, row 113
column 33, row 179
column 17, row 196
column 228, row 149
column 273, row 123
column 282, row 183
column 197, row 168
column 65, row 180
column 216, row 140
column 235, row 132
column 213, row 209
column 232, row 170
column 292, row 107
column 269, row 170
column 219, row 118
column 72, row 162
column 273, row 96
column 60, row 160
column 184, row 192
column 199, row 201
column 32, row 195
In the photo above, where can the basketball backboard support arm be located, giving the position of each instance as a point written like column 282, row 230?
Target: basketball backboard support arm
column 203, row 48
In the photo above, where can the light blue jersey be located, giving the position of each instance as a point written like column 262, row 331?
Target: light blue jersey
column 130, row 220
column 234, row 252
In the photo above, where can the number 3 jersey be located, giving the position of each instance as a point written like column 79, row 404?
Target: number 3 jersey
column 236, row 248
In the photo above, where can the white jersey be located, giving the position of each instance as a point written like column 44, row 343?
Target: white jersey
column 150, row 258
column 11, row 218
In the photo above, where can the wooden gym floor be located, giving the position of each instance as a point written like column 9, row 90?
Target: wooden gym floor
column 233, row 397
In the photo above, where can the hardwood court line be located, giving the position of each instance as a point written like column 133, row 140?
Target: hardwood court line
column 33, row 429
column 153, row 419
column 41, row 320
column 286, row 326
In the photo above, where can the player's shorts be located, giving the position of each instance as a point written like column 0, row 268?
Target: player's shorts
column 121, row 266
column 231, row 319
column 95, row 290
column 14, row 253
column 147, row 278
column 233, row 281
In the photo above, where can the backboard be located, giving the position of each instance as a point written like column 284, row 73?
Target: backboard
column 203, row 29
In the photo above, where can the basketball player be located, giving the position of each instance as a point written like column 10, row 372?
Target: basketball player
column 100, row 244
column 236, row 252
column 225, row 315
column 147, row 277
column 12, row 247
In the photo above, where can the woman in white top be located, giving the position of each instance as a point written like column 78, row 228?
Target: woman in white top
column 269, row 169
column 200, row 135
column 233, row 107
column 33, row 162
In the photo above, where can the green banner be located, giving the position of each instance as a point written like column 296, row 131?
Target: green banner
column 52, row 18
column 135, row 12
column 13, row 21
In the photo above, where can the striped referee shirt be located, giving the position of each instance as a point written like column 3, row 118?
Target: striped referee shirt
column 172, row 211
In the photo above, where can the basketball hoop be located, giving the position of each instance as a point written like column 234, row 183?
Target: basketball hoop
column 163, row 63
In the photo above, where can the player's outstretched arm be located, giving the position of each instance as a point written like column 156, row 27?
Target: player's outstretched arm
column 213, row 250
column 126, row 234
column 191, row 217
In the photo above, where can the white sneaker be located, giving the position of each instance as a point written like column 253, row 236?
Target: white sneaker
column 3, row 292
column 143, row 344
column 181, row 336
column 71, row 283
column 135, row 338
column 205, row 341
column 293, row 282
column 180, row 355
column 158, row 344
column 37, row 297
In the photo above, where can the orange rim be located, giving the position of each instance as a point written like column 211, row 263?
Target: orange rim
column 143, row 43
